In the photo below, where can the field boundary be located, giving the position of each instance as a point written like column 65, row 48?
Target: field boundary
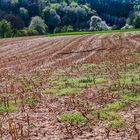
column 93, row 32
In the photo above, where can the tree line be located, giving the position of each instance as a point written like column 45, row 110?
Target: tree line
column 34, row 17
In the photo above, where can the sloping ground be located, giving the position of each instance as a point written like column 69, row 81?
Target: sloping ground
column 70, row 87
column 37, row 52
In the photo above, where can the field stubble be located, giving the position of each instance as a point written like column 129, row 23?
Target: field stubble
column 70, row 87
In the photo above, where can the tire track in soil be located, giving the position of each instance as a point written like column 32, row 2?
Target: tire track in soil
column 31, row 55
column 40, row 52
column 63, row 51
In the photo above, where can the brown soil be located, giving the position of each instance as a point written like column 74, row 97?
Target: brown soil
column 27, row 55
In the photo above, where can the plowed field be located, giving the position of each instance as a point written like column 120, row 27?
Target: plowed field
column 70, row 87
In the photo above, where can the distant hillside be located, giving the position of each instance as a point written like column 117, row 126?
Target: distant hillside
column 55, row 16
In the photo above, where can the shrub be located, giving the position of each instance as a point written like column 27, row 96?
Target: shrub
column 31, row 32
column 136, row 21
column 68, row 28
column 21, row 33
column 65, row 28
column 57, row 30
column 5, row 29
column 38, row 24
column 97, row 24
column 26, row 32
column 127, row 27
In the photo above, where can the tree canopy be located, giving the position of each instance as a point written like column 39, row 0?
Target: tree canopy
column 71, row 15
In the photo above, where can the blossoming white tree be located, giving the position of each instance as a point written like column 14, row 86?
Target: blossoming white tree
column 38, row 24
column 96, row 24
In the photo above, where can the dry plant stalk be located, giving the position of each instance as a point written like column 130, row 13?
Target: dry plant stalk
column 12, row 129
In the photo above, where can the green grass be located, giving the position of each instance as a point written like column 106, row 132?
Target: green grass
column 72, row 85
column 92, row 74
column 121, row 92
column 6, row 109
column 31, row 101
column 12, row 106
column 117, row 124
column 50, row 91
column 100, row 80
column 109, row 112
column 123, row 102
column 72, row 117
column 129, row 78
column 115, row 106
column 68, row 91
column 93, row 32
column 93, row 65
column 108, row 115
